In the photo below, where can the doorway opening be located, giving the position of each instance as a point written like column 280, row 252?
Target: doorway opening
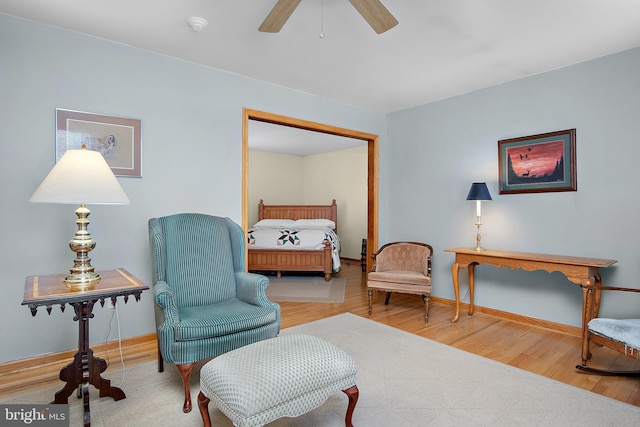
column 372, row 165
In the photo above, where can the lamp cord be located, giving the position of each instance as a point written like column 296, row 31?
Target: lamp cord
column 321, row 19
column 106, row 340
column 465, row 295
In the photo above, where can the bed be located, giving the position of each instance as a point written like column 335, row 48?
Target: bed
column 281, row 240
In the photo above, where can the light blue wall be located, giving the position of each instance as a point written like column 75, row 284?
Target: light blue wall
column 191, row 161
column 429, row 155
column 436, row 151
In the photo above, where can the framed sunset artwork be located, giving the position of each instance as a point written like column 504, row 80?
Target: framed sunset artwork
column 538, row 163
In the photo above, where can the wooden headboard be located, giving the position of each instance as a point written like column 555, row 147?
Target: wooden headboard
column 299, row 211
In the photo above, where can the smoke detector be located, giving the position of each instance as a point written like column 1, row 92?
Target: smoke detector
column 197, row 24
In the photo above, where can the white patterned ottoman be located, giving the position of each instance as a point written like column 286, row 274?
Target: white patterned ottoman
column 285, row 376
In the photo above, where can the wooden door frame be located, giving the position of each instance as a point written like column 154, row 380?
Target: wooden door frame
column 372, row 165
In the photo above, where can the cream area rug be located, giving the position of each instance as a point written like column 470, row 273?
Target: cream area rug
column 306, row 289
column 404, row 381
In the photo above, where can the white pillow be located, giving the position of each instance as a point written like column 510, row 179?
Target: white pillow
column 274, row 223
column 314, row 223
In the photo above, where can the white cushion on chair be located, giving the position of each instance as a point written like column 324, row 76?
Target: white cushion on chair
column 625, row 331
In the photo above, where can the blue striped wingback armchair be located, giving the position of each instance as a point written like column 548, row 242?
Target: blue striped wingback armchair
column 206, row 303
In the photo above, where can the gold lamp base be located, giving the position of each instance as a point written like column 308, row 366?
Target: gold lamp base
column 80, row 282
column 83, row 276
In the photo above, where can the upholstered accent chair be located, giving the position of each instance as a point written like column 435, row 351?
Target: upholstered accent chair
column 622, row 335
column 206, row 303
column 403, row 267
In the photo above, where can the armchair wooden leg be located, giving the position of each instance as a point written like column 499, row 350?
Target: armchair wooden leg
column 425, row 299
column 386, row 299
column 160, row 361
column 185, row 373
column 370, row 298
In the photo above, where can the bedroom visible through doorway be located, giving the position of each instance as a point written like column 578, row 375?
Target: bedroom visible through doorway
column 296, row 124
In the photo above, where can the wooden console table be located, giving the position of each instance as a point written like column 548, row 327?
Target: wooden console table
column 85, row 368
column 581, row 271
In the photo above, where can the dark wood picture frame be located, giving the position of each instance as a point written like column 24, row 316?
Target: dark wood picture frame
column 117, row 138
column 538, row 163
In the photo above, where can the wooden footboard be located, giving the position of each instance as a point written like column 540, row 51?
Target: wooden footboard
column 280, row 260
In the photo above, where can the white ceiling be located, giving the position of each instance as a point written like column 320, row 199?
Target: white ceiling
column 439, row 49
column 297, row 142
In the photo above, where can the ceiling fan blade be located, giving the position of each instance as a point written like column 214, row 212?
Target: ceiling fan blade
column 278, row 16
column 374, row 12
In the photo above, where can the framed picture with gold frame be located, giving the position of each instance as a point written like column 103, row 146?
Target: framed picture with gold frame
column 118, row 139
column 538, row 163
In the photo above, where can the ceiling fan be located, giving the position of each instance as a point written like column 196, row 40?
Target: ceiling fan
column 373, row 11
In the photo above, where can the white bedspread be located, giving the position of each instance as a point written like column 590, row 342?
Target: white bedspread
column 294, row 238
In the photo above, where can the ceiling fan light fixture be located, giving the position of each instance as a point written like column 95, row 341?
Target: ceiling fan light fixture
column 197, row 23
column 373, row 11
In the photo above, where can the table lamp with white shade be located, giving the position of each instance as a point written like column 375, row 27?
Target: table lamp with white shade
column 81, row 177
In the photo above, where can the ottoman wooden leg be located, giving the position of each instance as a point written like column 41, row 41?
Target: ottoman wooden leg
column 353, row 394
column 203, row 405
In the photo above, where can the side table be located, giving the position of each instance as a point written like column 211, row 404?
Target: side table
column 85, row 369
column 582, row 271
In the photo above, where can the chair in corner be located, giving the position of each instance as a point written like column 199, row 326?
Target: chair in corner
column 206, row 303
column 403, row 267
column 622, row 335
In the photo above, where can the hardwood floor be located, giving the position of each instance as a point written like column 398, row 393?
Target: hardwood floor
column 539, row 350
